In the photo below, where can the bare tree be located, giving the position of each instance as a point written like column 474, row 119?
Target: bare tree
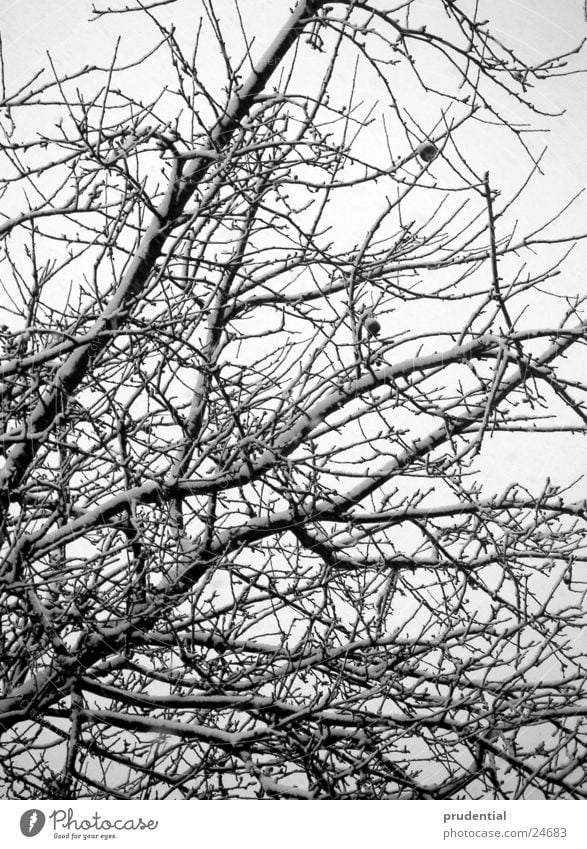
column 262, row 330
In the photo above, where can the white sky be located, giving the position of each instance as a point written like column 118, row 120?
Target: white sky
column 535, row 28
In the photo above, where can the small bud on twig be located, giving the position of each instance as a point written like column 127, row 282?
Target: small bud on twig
column 427, row 151
column 372, row 326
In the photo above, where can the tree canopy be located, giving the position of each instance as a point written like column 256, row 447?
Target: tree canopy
column 272, row 313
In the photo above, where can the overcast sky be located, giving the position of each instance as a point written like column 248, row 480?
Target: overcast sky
column 534, row 28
